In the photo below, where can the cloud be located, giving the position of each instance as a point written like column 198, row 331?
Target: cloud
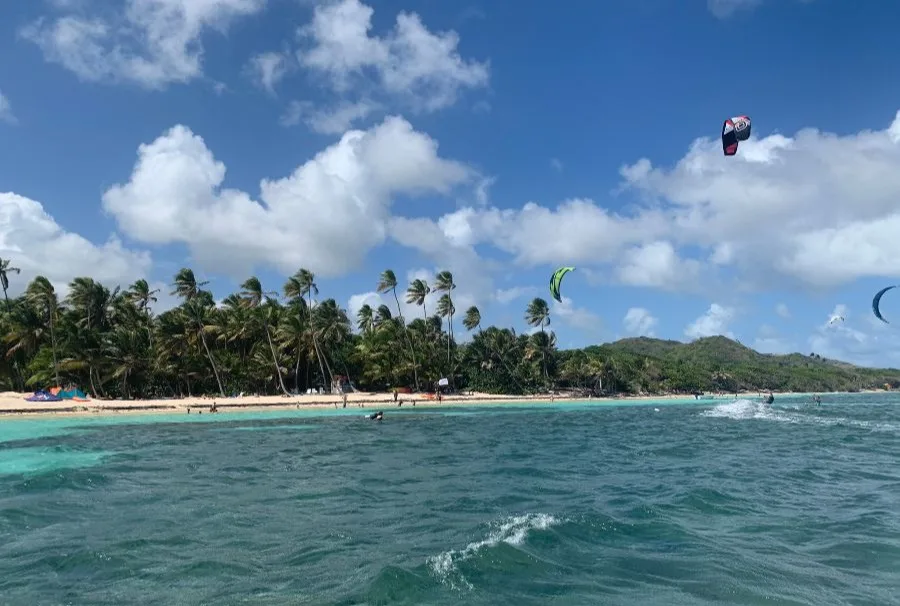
column 343, row 196
column 329, row 121
column 576, row 317
column 151, row 43
column 6, row 113
column 409, row 66
column 813, row 211
column 639, row 321
column 782, row 310
column 769, row 341
column 505, row 296
column 268, row 69
column 874, row 345
column 423, row 67
column 723, row 9
column 657, row 265
column 33, row 241
column 774, row 345
column 712, row 323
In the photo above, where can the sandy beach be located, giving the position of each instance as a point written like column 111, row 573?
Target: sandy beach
column 15, row 404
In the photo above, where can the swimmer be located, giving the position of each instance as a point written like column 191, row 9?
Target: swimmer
column 376, row 416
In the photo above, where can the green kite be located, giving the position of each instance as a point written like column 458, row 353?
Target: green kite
column 556, row 280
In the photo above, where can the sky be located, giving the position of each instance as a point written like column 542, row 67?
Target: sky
column 497, row 140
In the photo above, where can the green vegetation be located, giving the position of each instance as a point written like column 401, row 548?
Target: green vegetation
column 110, row 343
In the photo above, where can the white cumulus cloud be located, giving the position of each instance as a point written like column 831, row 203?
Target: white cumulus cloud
column 813, row 210
column 639, row 321
column 327, row 215
column 35, row 243
column 409, row 67
column 714, row 322
column 151, row 43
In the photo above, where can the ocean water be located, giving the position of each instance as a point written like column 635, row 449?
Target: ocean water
column 670, row 503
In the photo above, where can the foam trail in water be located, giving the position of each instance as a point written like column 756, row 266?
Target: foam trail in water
column 512, row 531
column 742, row 409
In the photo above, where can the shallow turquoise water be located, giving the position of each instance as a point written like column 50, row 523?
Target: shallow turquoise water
column 691, row 502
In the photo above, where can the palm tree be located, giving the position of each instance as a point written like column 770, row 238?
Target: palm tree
column 417, row 292
column 257, row 300
column 293, row 331
column 444, row 283
column 140, row 294
column 388, row 282
column 445, row 310
column 5, row 270
column 303, row 284
column 195, row 305
column 472, row 319
column 365, row 319
column 538, row 314
column 41, row 294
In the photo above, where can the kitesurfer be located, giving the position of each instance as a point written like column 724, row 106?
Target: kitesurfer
column 769, row 398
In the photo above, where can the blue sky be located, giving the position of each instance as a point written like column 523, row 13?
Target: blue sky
column 497, row 140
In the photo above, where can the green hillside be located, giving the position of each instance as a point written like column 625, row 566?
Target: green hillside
column 720, row 364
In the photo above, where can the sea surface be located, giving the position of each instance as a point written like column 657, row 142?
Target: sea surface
column 668, row 502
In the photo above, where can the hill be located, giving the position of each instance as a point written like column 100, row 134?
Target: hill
column 721, row 364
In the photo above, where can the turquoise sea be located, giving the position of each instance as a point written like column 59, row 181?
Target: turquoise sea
column 669, row 503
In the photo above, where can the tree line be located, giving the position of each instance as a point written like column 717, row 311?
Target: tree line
column 110, row 343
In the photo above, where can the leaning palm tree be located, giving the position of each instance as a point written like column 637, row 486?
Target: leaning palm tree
column 538, row 314
column 140, row 294
column 257, row 300
column 187, row 288
column 472, row 319
column 416, row 293
column 365, row 319
column 388, row 282
column 5, row 269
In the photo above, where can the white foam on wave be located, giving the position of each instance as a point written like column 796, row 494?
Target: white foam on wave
column 512, row 531
column 743, row 409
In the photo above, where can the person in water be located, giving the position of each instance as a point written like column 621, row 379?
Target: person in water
column 769, row 398
column 376, row 416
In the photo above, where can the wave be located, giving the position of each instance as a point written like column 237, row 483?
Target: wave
column 743, row 409
column 513, row 530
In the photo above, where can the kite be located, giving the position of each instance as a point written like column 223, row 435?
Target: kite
column 835, row 319
column 876, row 303
column 733, row 130
column 556, row 281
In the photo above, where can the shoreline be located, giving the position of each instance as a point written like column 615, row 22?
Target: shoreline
column 14, row 405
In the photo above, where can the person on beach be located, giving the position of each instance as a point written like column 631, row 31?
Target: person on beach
column 344, row 398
